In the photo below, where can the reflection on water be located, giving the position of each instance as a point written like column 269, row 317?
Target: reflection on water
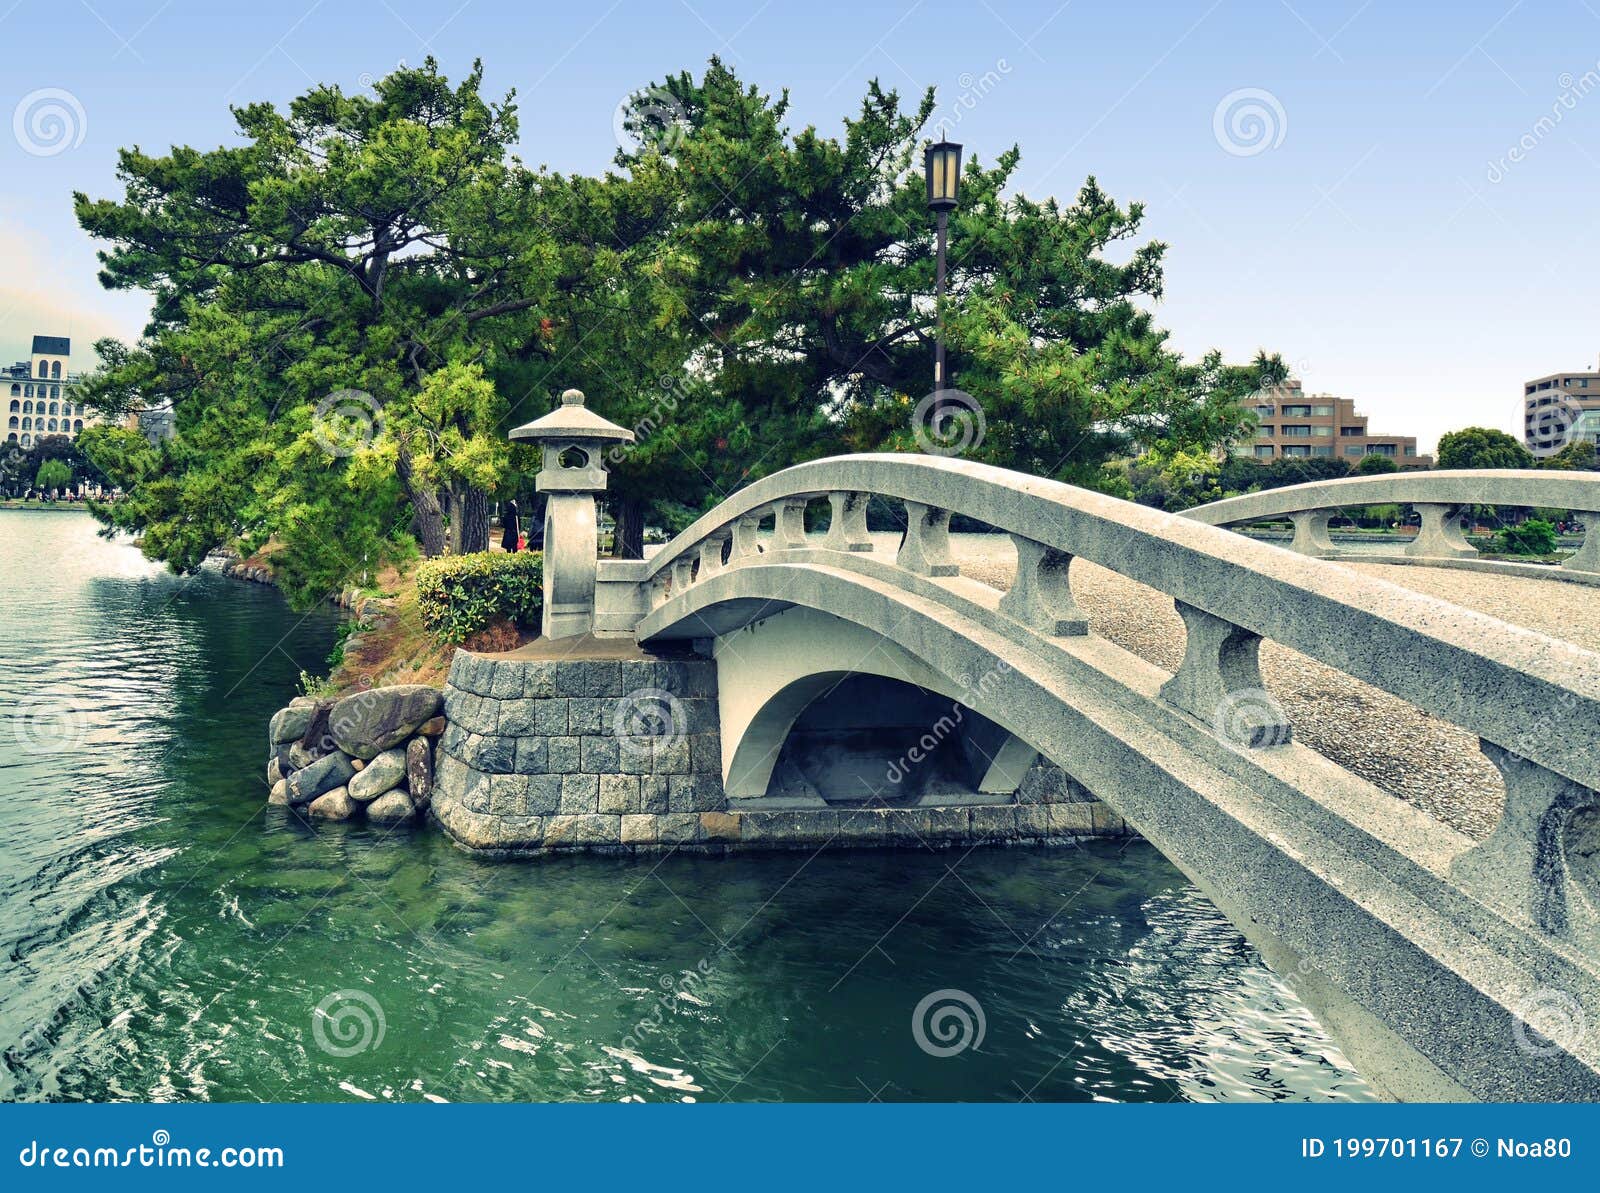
column 165, row 935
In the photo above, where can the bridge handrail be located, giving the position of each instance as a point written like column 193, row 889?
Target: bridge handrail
column 1536, row 697
column 1521, row 487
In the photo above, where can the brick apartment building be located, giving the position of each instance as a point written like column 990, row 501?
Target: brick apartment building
column 1297, row 425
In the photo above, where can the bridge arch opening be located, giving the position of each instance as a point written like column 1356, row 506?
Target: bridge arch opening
column 856, row 738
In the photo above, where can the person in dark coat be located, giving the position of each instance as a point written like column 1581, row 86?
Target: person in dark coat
column 508, row 519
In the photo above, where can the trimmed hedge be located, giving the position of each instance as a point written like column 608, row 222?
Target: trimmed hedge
column 459, row 595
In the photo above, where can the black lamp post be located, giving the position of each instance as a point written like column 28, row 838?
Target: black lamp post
column 942, row 165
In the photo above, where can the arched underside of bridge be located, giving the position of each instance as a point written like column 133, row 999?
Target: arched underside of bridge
column 864, row 736
column 1345, row 890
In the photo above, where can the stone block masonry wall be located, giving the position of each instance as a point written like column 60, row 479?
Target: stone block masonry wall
column 625, row 755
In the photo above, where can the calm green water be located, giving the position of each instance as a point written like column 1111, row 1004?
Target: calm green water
column 164, row 935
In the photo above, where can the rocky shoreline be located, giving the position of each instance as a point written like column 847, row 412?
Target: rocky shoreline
column 368, row 756
column 352, row 599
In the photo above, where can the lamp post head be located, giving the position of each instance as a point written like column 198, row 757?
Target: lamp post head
column 941, row 163
column 572, row 436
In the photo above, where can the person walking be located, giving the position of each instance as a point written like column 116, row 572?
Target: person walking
column 508, row 519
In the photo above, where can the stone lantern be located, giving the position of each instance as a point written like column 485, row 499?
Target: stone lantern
column 573, row 472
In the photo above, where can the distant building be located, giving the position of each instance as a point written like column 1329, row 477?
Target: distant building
column 157, row 422
column 40, row 394
column 1296, row 425
column 1560, row 409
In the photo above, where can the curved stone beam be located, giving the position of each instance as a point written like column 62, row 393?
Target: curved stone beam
column 1438, row 497
column 1346, row 891
column 1459, row 486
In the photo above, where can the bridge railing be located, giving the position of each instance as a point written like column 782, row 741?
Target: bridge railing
column 1439, row 497
column 1533, row 701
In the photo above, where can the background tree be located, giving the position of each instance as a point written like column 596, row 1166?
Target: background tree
column 744, row 296
column 1579, row 456
column 805, row 265
column 350, row 247
column 1241, row 474
column 1481, row 447
column 52, row 474
column 1374, row 464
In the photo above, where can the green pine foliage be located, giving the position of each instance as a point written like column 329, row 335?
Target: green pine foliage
column 742, row 294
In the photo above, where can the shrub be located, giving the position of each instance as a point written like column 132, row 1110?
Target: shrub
column 461, row 594
column 1533, row 537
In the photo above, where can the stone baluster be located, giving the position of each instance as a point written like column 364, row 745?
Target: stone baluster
column 847, row 531
column 1041, row 594
column 1219, row 681
column 1587, row 557
column 926, row 548
column 682, row 573
column 1311, row 533
column 658, row 588
column 789, row 523
column 1521, row 868
column 711, row 553
column 1440, row 536
column 746, row 537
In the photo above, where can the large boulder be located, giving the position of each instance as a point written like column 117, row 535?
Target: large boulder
column 368, row 723
column 334, row 805
column 381, row 774
column 280, row 793
column 316, row 740
column 394, row 807
column 419, row 770
column 290, row 724
column 324, row 774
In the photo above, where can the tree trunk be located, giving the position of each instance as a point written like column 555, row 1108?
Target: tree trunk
column 627, row 541
column 426, row 515
column 472, row 516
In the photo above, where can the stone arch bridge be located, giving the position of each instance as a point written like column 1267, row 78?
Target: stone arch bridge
column 1426, row 953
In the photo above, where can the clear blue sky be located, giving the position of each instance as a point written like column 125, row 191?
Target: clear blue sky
column 1380, row 239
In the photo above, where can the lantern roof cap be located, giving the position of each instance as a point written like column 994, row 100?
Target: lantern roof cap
column 571, row 420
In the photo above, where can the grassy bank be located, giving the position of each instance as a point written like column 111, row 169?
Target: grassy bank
column 384, row 641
